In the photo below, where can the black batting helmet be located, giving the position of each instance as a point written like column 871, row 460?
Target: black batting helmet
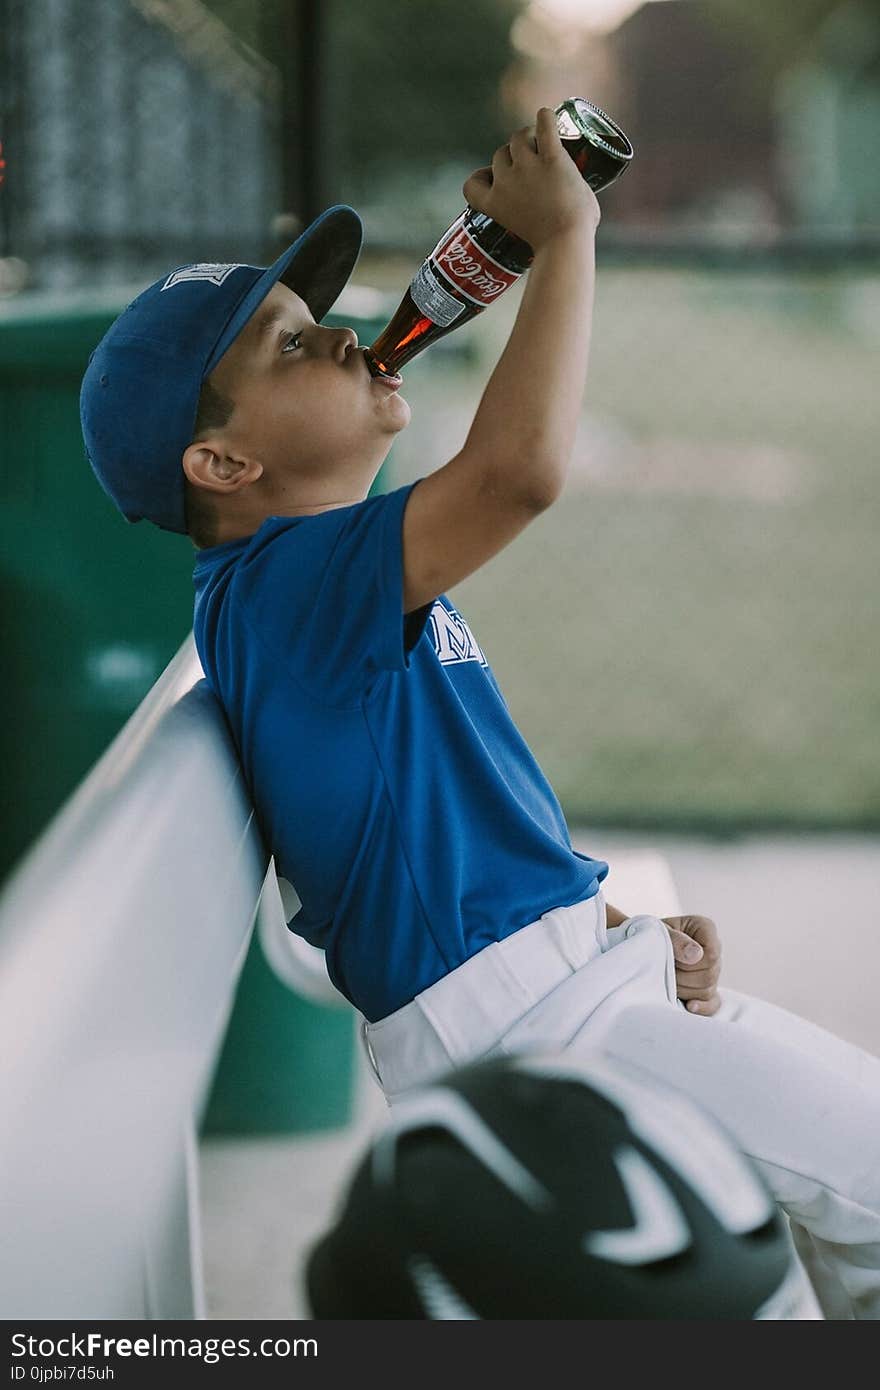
column 546, row 1186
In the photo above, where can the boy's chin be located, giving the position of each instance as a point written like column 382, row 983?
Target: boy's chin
column 402, row 413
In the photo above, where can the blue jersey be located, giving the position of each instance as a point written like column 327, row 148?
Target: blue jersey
column 389, row 779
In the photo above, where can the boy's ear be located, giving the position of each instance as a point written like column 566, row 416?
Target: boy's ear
column 208, row 465
column 196, row 461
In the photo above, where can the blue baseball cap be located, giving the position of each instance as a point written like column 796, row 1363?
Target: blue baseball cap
column 140, row 392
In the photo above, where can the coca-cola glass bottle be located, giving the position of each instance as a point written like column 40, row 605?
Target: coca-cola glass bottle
column 477, row 259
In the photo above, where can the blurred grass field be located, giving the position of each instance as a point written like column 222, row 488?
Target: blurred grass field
column 687, row 639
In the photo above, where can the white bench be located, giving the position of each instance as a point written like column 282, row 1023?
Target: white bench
column 122, row 935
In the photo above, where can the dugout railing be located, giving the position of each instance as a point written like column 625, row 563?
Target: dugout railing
column 123, row 933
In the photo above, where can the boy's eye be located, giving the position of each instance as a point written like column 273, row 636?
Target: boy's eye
column 292, row 341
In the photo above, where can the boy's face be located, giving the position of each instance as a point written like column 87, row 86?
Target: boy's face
column 311, row 426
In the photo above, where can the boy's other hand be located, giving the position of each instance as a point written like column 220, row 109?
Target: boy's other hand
column 696, row 946
column 533, row 187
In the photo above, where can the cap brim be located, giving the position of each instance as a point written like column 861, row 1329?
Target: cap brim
column 316, row 267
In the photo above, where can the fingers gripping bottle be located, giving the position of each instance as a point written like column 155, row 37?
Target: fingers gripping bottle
column 477, row 259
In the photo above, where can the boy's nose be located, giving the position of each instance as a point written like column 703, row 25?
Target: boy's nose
column 349, row 340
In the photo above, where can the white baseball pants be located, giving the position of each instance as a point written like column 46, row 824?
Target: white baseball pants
column 803, row 1104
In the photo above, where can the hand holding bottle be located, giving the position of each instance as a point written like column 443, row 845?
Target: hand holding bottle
column 532, row 187
column 540, row 189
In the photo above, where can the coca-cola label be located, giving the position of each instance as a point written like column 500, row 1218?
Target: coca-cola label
column 469, row 268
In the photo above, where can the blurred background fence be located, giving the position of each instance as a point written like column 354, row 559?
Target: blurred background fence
column 688, row 639
column 133, row 128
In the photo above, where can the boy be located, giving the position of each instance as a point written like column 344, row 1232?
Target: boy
column 430, row 854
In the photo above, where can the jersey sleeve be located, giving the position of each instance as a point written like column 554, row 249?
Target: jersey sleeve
column 325, row 594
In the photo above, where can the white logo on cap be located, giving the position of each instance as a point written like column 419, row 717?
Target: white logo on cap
column 206, row 270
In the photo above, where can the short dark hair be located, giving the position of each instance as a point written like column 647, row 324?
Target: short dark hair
column 214, row 411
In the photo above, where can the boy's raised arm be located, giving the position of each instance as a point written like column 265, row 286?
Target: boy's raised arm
column 525, row 426
column 514, row 460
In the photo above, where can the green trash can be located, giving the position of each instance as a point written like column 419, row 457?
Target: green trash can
column 286, row 1065
column 93, row 609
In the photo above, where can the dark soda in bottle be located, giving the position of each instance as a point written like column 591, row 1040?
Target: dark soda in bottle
column 477, row 259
